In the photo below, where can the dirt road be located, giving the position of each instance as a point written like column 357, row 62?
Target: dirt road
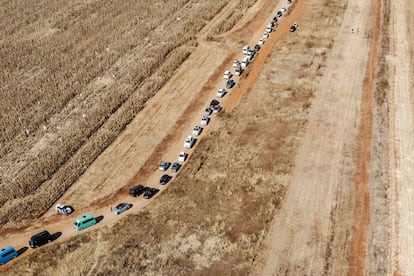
column 157, row 133
column 401, row 158
column 316, row 220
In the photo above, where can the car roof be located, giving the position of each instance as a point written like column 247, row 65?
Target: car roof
column 86, row 216
column 8, row 248
column 43, row 233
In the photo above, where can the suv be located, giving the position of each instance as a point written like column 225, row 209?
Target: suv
column 238, row 71
column 137, row 190
column 204, row 120
column 261, row 42
column 251, row 54
column 164, row 165
column 216, row 108
column 269, row 28
column 245, row 62
column 213, row 103
column 182, row 156
column 230, row 83
column 175, row 167
column 227, row 75
column 236, row 63
column 293, row 27
column 221, row 92
column 246, row 48
column 189, row 142
column 207, row 111
column 40, row 239
column 164, row 179
column 197, row 130
column 150, row 192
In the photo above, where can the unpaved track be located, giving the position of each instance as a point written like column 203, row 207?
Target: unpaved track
column 156, row 134
column 401, row 150
column 308, row 234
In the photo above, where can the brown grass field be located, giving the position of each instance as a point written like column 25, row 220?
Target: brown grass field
column 305, row 171
column 73, row 80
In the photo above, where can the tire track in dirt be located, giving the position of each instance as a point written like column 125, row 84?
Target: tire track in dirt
column 401, row 158
column 357, row 248
column 310, row 233
column 252, row 71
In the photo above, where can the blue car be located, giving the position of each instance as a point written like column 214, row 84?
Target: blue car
column 6, row 254
column 230, row 83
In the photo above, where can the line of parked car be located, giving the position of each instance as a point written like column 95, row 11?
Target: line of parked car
column 88, row 220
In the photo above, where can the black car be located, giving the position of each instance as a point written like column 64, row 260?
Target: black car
column 293, row 27
column 230, row 83
column 175, row 167
column 137, row 190
column 150, row 192
column 213, row 103
column 164, row 179
column 40, row 239
column 257, row 47
column 279, row 14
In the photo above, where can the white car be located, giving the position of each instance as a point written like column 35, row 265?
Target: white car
column 261, row 41
column 246, row 49
column 265, row 35
column 238, row 71
column 208, row 111
column 221, row 92
column 216, row 108
column 269, row 28
column 236, row 63
column 182, row 156
column 204, row 120
column 227, row 75
column 197, row 130
column 164, row 165
column 189, row 142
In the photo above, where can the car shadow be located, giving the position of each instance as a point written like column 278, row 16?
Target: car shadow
column 99, row 219
column 22, row 250
column 55, row 236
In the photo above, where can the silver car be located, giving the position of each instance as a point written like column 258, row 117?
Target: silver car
column 121, row 207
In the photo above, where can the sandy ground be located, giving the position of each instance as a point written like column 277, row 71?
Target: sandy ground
column 401, row 158
column 312, row 223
